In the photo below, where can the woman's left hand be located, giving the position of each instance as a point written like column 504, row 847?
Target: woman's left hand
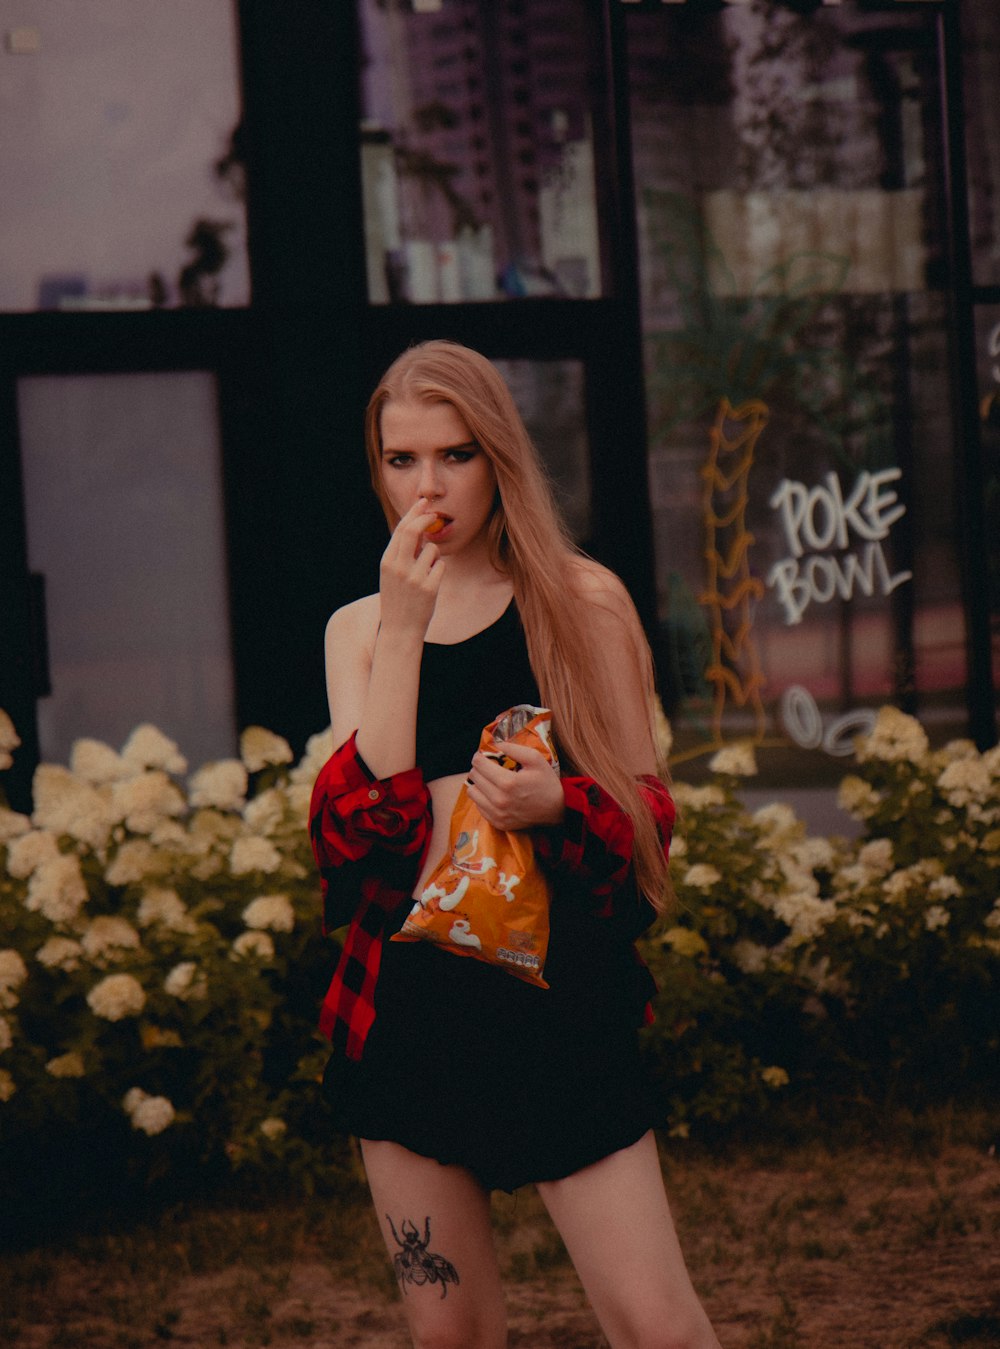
column 516, row 799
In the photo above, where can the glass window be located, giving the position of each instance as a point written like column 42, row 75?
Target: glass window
column 120, row 155
column 981, row 42
column 801, row 463
column 124, row 518
column 988, row 363
column 477, row 151
column 550, row 396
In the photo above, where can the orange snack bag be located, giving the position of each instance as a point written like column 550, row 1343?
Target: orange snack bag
column 487, row 898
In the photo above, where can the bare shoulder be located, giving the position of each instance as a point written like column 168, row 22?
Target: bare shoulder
column 351, row 630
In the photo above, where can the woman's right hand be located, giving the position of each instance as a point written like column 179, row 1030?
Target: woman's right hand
column 410, row 575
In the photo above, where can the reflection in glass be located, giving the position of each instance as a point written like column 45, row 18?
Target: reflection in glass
column 981, row 71
column 550, row 396
column 120, row 155
column 124, row 516
column 801, row 460
column 988, row 367
column 477, row 150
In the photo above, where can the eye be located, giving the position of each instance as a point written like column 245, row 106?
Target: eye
column 461, row 456
column 397, row 460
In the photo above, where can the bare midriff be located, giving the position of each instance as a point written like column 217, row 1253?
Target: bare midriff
column 444, row 795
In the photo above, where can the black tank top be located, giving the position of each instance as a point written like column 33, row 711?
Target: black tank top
column 466, row 685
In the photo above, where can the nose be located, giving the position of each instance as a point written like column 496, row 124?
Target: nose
column 429, row 479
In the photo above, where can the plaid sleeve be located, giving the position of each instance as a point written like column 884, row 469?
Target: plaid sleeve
column 593, row 844
column 351, row 813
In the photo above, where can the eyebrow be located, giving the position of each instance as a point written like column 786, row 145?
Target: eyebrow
column 443, row 449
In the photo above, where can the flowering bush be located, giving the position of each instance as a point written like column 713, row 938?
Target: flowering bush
column 837, row 974
column 162, row 964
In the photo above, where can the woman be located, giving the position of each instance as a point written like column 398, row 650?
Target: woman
column 457, row 1076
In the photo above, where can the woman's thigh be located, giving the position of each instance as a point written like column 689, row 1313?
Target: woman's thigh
column 615, row 1220
column 436, row 1224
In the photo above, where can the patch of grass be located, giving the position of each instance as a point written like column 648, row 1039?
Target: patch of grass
column 782, row 1333
column 946, row 1215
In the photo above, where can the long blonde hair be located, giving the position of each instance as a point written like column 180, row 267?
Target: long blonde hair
column 529, row 543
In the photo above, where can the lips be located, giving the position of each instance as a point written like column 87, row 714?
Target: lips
column 438, row 525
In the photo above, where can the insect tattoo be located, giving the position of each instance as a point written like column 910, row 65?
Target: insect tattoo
column 414, row 1263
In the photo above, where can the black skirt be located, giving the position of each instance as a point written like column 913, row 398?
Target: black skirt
column 472, row 1066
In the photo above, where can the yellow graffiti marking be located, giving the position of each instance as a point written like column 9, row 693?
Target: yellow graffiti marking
column 734, row 670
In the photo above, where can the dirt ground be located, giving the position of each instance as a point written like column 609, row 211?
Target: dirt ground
column 822, row 1250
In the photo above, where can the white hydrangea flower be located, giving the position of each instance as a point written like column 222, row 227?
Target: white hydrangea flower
column 965, row 781
column 9, row 740
column 702, row 876
column 265, row 812
column 253, row 854
column 12, row 824
column 7, row 1085
column 805, row 914
column 132, row 1098
column 273, row 1128
column 958, row 749
column 165, row 907
column 253, row 945
column 814, row 854
column 272, row 912
column 187, row 982
column 687, row 797
column 774, row 1077
column 6, row 1034
column 777, row 821
column 151, row 1114
column 935, row 917
column 142, row 802
column 60, row 953
column 895, row 738
column 96, row 762
column 678, row 847
column 221, row 785
column 750, row 957
column 148, row 747
column 737, row 759
column 67, row 1065
column 57, row 889
column 260, row 747
column 857, row 797
column 298, row 795
column 13, row 970
column 26, row 853
column 319, row 747
column 876, row 857
column 917, row 878
column 66, row 805
column 171, row 835
column 852, row 878
column 944, row 887
column 116, row 997
column 135, row 860
column 109, row 934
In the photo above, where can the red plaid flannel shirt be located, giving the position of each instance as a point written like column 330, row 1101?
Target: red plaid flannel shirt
column 370, row 837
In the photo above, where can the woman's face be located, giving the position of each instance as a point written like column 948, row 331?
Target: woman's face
column 428, row 451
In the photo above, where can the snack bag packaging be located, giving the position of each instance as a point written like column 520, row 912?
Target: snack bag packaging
column 487, row 898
